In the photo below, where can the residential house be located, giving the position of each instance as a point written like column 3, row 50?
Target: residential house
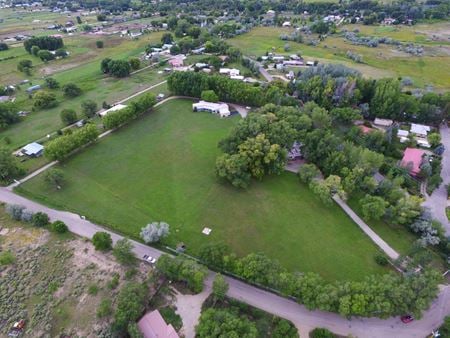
column 215, row 108
column 420, row 129
column 152, row 325
column 382, row 123
column 412, row 160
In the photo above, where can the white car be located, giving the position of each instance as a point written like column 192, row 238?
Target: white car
column 149, row 259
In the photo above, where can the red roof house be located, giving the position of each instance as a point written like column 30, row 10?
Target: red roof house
column 412, row 159
column 152, row 325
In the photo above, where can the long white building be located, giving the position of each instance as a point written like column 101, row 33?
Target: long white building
column 215, row 108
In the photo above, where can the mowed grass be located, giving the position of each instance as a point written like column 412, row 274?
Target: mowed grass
column 161, row 168
column 383, row 61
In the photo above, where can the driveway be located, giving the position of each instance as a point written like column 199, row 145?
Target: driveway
column 437, row 202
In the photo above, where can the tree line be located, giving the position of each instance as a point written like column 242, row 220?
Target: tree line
column 137, row 107
column 43, row 42
column 194, row 83
column 62, row 146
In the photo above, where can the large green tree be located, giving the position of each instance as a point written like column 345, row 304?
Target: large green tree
column 222, row 323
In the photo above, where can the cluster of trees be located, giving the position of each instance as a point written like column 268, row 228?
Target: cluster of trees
column 25, row 66
column 380, row 296
column 44, row 99
column 9, row 166
column 117, row 68
column 254, row 158
column 134, row 109
column 43, row 42
column 184, row 270
column 62, row 146
column 336, row 85
column 228, row 90
column 223, row 323
column 8, row 114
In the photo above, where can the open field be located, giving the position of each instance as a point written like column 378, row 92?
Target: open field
column 162, row 168
column 383, row 61
column 83, row 68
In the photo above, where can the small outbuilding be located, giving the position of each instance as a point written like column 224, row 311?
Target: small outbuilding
column 420, row 129
column 33, row 149
column 383, row 123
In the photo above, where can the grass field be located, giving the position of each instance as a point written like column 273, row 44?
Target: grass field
column 161, row 168
column 384, row 61
column 83, row 68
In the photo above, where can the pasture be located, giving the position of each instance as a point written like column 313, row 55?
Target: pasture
column 161, row 168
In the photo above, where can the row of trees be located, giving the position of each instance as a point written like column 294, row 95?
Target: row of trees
column 62, row 146
column 375, row 296
column 228, row 90
column 43, row 42
column 134, row 109
column 184, row 270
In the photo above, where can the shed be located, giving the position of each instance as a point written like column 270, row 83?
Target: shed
column 385, row 123
column 33, row 88
column 33, row 149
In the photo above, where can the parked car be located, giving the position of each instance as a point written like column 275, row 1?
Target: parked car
column 149, row 259
column 406, row 319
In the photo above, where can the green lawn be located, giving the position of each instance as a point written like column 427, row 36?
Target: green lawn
column 161, row 168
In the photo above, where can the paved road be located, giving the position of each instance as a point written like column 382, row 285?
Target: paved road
column 261, row 69
column 304, row 319
column 388, row 250
column 437, row 202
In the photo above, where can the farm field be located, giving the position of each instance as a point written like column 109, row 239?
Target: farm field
column 383, row 61
column 161, row 168
column 82, row 67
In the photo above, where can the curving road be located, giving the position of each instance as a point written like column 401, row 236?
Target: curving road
column 304, row 319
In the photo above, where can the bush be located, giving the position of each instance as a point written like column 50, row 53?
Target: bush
column 15, row 211
column 102, row 241
column 114, row 282
column 99, row 44
column 59, row 227
column 154, row 232
column 27, row 216
column 68, row 116
column 7, row 258
column 381, row 260
column 54, row 177
column 104, row 308
column 71, row 90
column 135, row 63
column 51, row 83
column 45, row 55
column 321, row 333
column 3, row 46
column 93, row 289
column 123, row 252
column 24, row 65
column 40, row 219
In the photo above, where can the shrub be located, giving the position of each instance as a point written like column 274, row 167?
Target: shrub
column 3, row 46
column 102, row 241
column 381, row 260
column 71, row 90
column 51, row 83
column 93, row 289
column 7, row 258
column 114, row 282
column 68, row 116
column 104, row 308
column 54, row 177
column 27, row 216
column 45, row 55
column 59, row 227
column 321, row 333
column 40, row 219
column 24, row 65
column 15, row 211
column 123, row 252
column 154, row 232
column 135, row 63
column 99, row 44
